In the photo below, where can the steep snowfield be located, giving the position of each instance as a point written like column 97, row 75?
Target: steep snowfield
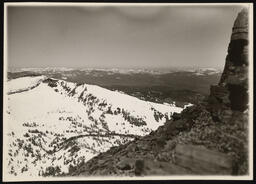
column 54, row 125
column 114, row 100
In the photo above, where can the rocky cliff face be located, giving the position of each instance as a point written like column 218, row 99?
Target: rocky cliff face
column 209, row 138
column 231, row 94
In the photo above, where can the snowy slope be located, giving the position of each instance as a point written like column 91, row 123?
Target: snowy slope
column 24, row 84
column 54, row 125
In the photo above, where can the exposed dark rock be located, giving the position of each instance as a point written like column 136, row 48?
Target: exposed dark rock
column 124, row 164
column 176, row 116
column 51, row 82
column 238, row 97
column 202, row 161
column 139, row 167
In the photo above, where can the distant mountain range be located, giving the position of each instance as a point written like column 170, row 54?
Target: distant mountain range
column 203, row 70
column 180, row 85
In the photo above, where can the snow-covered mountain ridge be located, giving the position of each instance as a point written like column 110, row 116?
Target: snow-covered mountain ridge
column 53, row 125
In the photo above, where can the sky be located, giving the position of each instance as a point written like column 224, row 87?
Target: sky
column 119, row 36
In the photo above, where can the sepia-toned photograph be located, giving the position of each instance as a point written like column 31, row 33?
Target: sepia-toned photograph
column 127, row 91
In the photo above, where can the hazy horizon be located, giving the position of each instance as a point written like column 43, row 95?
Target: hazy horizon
column 121, row 68
column 119, row 36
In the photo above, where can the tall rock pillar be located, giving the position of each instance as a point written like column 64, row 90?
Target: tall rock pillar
column 231, row 94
